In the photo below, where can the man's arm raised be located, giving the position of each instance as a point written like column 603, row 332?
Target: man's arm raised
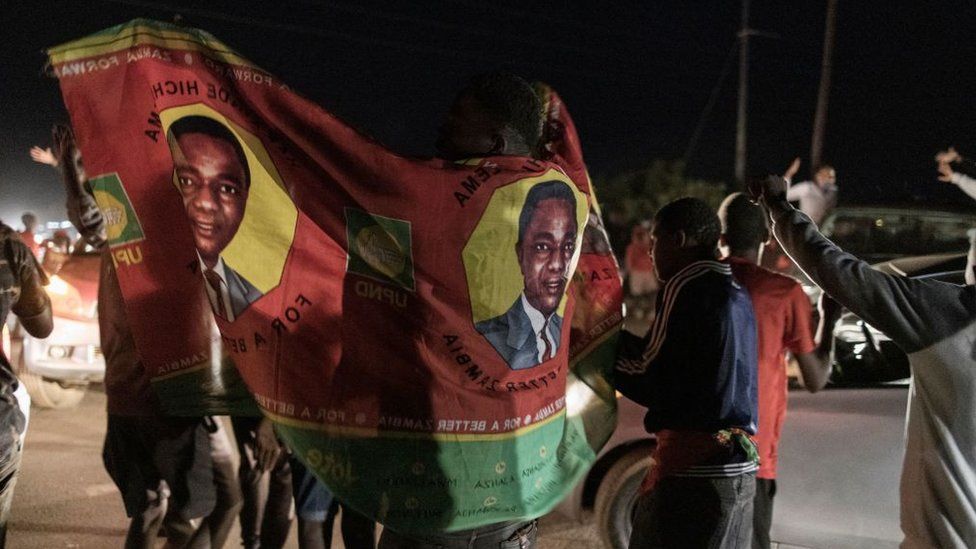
column 913, row 313
column 81, row 206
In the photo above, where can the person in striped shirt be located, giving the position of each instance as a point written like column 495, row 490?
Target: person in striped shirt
column 695, row 371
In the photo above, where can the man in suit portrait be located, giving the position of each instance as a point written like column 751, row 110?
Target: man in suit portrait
column 528, row 333
column 213, row 179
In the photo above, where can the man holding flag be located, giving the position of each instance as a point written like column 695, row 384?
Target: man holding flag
column 363, row 345
column 497, row 114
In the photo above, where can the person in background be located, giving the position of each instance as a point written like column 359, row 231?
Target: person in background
column 265, row 477
column 695, row 371
column 56, row 250
column 783, row 317
column 317, row 509
column 27, row 235
column 640, row 266
column 817, row 198
column 945, row 161
column 22, row 294
column 163, row 465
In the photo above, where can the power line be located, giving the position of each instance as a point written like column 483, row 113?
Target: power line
column 712, row 99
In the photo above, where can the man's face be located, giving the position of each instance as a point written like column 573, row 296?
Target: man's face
column 826, row 177
column 467, row 131
column 665, row 248
column 545, row 253
column 214, row 187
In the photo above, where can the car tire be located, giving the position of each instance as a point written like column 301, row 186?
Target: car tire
column 44, row 393
column 616, row 497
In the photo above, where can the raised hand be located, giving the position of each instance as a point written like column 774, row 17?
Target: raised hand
column 43, row 156
column 945, row 172
column 948, row 156
column 792, row 169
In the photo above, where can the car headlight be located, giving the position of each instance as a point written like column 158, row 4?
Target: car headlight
column 58, row 351
column 851, row 329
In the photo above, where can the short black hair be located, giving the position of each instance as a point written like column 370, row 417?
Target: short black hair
column 692, row 216
column 209, row 126
column 544, row 191
column 508, row 100
column 743, row 223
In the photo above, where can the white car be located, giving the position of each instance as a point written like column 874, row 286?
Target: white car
column 57, row 370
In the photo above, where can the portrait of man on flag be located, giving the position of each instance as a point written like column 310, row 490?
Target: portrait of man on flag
column 212, row 175
column 528, row 333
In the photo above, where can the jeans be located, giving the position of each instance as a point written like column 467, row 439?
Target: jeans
column 691, row 513
column 506, row 535
column 317, row 510
column 10, row 454
column 762, row 512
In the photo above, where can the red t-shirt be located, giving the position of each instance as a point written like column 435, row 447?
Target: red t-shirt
column 638, row 258
column 28, row 238
column 784, row 321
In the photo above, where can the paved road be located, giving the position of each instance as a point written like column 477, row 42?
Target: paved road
column 64, row 498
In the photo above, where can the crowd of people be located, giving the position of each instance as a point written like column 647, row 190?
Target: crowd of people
column 710, row 370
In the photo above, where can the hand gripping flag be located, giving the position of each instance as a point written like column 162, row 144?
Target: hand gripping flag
column 431, row 338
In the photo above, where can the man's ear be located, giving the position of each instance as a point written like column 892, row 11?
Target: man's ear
column 681, row 238
column 498, row 144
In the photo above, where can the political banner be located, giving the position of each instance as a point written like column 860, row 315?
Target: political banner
column 431, row 338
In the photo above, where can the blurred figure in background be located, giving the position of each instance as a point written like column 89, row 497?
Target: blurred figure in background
column 817, row 198
column 56, row 250
column 638, row 262
column 27, row 235
column 945, row 161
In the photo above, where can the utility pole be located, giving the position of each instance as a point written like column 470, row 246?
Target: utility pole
column 820, row 118
column 740, row 130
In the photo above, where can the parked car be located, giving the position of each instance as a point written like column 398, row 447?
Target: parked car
column 56, row 371
column 840, row 453
column 880, row 233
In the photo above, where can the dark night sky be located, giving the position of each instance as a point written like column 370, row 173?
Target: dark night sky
column 636, row 76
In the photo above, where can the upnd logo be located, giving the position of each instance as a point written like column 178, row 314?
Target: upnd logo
column 379, row 248
column 121, row 223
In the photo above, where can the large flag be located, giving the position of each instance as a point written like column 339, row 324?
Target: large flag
column 431, row 338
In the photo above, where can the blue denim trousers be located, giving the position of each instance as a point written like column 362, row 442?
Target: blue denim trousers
column 691, row 513
column 506, row 535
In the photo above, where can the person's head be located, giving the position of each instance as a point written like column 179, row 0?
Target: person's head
column 213, row 178
column 29, row 220
column 497, row 113
column 61, row 239
column 825, row 176
column 546, row 242
column 744, row 227
column 683, row 231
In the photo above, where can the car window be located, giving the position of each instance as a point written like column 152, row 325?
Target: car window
column 879, row 234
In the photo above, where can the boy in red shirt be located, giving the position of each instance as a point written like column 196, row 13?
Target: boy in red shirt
column 783, row 319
